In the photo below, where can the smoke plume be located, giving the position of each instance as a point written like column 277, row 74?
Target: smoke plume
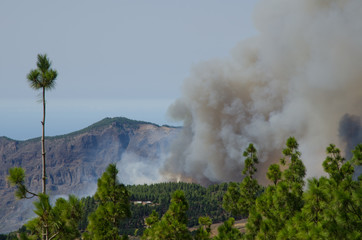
column 298, row 77
column 134, row 169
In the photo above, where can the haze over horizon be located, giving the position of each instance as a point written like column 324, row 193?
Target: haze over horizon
column 121, row 58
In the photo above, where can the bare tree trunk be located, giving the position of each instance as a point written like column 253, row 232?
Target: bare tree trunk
column 45, row 227
column 43, row 147
column 46, row 232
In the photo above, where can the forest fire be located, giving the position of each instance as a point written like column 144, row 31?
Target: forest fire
column 298, row 77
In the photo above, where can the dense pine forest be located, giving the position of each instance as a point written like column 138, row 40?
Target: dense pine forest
column 156, row 197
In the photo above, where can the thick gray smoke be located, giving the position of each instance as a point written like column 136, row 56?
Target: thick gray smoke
column 298, row 77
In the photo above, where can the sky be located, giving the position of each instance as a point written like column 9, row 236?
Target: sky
column 114, row 58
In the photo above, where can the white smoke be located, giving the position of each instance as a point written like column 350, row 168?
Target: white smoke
column 298, row 77
column 134, row 169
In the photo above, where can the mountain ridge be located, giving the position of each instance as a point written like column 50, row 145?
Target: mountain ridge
column 76, row 160
column 100, row 123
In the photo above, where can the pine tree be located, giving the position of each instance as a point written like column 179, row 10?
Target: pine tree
column 344, row 214
column 274, row 174
column 332, row 206
column 43, row 78
column 173, row 224
column 114, row 205
column 204, row 231
column 281, row 201
column 239, row 198
column 61, row 220
column 228, row 232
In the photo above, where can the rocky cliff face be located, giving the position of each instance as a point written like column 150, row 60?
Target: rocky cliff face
column 75, row 161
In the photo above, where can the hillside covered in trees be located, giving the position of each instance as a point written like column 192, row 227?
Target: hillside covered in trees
column 146, row 198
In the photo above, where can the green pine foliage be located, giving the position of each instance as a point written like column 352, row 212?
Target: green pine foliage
column 113, row 206
column 329, row 208
column 173, row 224
column 52, row 222
column 240, row 197
column 204, row 231
column 280, row 201
column 332, row 205
column 89, row 205
column 202, row 202
column 228, row 232
column 274, row 174
column 17, row 178
column 357, row 155
column 59, row 221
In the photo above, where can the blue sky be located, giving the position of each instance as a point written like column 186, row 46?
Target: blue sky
column 114, row 58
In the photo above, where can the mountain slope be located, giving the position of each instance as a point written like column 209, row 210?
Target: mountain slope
column 75, row 161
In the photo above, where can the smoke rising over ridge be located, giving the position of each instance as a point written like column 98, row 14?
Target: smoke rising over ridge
column 298, row 77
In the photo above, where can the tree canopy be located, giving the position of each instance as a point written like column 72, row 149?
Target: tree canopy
column 114, row 205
